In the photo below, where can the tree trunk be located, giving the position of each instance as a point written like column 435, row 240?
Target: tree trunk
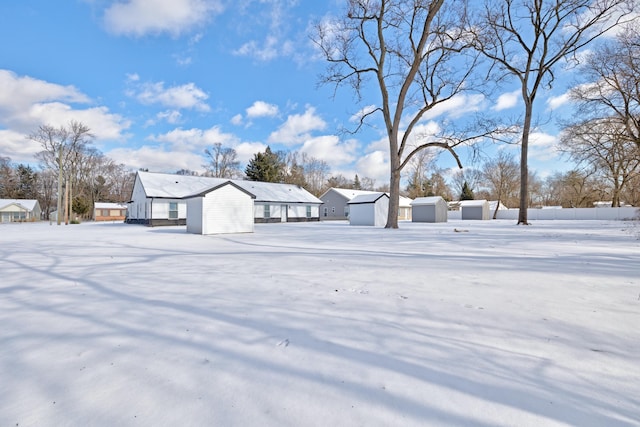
column 66, row 203
column 524, row 168
column 71, row 199
column 394, row 199
column 59, row 198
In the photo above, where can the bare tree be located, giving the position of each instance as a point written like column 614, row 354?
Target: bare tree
column 315, row 173
column 603, row 146
column 469, row 177
column 60, row 152
column 222, row 162
column 528, row 39
column 501, row 176
column 416, row 53
column 612, row 84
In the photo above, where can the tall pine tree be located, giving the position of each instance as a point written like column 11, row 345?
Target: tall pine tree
column 265, row 167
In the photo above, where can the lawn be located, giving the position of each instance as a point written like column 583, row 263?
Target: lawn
column 465, row 323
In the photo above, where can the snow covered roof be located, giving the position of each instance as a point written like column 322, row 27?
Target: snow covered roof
column 349, row 194
column 106, row 205
column 171, row 186
column 464, row 203
column 28, row 204
column 371, row 197
column 421, row 201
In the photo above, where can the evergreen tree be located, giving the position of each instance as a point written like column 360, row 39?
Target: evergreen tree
column 265, row 167
column 27, row 182
column 467, row 192
column 356, row 183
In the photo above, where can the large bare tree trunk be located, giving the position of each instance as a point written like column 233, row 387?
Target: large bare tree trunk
column 524, row 167
column 59, row 199
column 66, row 203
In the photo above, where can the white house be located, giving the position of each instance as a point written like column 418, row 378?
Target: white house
column 369, row 209
column 429, row 209
column 335, row 203
column 15, row 210
column 474, row 209
column 160, row 199
column 225, row 208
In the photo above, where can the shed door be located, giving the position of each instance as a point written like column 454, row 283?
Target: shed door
column 284, row 213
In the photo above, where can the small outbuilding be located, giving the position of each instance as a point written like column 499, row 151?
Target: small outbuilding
column 429, row 209
column 225, row 208
column 369, row 209
column 475, row 209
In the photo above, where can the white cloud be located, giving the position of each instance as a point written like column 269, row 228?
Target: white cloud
column 236, row 120
column 188, row 139
column 184, row 141
column 142, row 17
column 298, row 128
column 507, row 100
column 543, row 146
column 26, row 103
column 374, row 165
column 170, row 116
column 16, row 146
column 456, row 107
column 246, row 150
column 157, row 159
column 363, row 112
column 186, row 96
column 330, row 149
column 17, row 93
column 262, row 109
column 555, row 102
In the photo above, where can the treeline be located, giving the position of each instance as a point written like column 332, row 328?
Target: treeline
column 68, row 165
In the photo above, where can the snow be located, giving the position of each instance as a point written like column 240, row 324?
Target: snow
column 163, row 185
column 318, row 324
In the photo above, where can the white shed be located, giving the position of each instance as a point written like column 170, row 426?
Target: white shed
column 429, row 209
column 369, row 209
column 225, row 208
column 475, row 209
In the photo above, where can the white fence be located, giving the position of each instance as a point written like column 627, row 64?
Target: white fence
column 624, row 213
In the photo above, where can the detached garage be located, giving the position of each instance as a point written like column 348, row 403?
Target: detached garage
column 369, row 209
column 225, row 208
column 429, row 209
column 474, row 209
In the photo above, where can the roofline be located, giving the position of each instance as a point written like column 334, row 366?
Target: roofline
column 216, row 187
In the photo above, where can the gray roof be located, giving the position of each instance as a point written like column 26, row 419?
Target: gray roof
column 349, row 194
column 171, row 186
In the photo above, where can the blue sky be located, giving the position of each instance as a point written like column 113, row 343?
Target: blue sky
column 158, row 81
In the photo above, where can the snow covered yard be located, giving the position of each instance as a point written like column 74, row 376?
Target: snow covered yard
column 321, row 324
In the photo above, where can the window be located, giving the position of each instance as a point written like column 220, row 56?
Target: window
column 346, row 211
column 105, row 212
column 308, row 211
column 267, row 211
column 326, row 211
column 173, row 210
column 333, row 209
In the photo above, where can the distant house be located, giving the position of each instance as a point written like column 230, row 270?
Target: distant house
column 335, row 203
column 103, row 211
column 369, row 209
column 161, row 199
column 429, row 209
column 19, row 210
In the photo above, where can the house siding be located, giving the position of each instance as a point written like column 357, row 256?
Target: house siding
column 335, row 205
